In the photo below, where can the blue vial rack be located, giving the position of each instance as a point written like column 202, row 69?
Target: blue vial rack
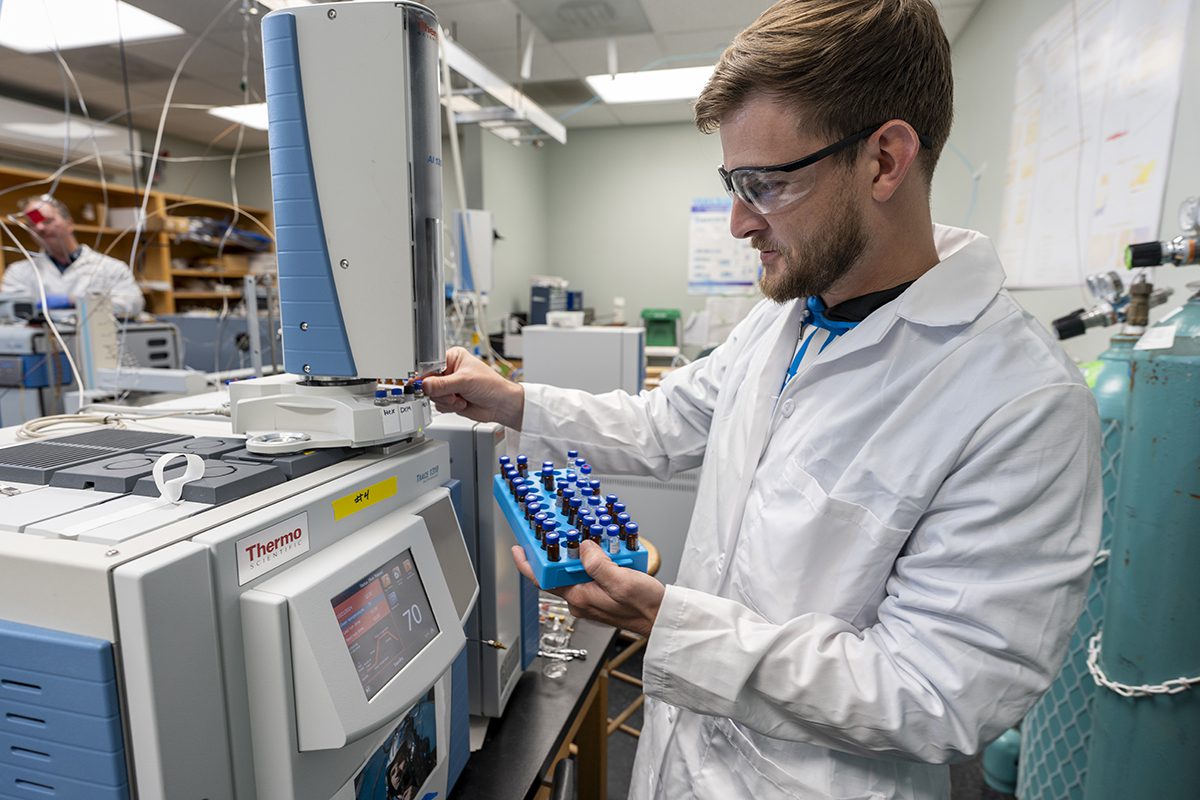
column 567, row 571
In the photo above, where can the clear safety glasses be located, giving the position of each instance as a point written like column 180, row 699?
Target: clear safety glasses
column 768, row 190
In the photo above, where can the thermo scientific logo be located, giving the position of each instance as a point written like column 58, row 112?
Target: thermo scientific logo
column 272, row 547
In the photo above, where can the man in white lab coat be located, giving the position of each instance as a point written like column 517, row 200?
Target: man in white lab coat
column 899, row 499
column 68, row 269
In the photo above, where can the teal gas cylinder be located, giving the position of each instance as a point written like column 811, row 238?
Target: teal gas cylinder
column 1057, row 730
column 1146, row 746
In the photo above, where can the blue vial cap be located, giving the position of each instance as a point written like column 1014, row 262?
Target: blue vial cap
column 522, row 459
column 550, row 524
column 511, row 472
column 535, row 507
column 397, row 392
column 586, row 491
column 596, row 530
column 575, row 502
column 595, row 486
column 381, row 393
column 573, row 536
column 619, row 508
column 569, row 474
column 545, row 464
column 572, row 455
column 551, row 537
column 586, row 469
column 541, row 516
column 605, row 520
column 418, row 383
column 622, row 519
column 522, row 491
column 631, row 528
column 610, row 498
column 568, row 493
column 613, row 530
column 579, row 462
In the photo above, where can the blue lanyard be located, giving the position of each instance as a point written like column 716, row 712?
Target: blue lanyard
column 816, row 316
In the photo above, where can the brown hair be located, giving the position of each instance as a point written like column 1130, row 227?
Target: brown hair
column 845, row 64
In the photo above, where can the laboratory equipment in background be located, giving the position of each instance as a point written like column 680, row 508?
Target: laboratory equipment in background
column 664, row 332
column 502, row 631
column 217, row 343
column 474, row 245
column 35, row 377
column 548, row 293
column 1111, row 308
column 596, row 359
column 360, row 273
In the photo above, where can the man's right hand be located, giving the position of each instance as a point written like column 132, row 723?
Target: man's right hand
column 476, row 391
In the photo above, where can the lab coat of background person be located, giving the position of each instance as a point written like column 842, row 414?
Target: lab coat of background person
column 889, row 552
column 69, row 270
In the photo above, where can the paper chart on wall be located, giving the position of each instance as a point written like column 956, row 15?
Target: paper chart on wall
column 1097, row 90
column 717, row 262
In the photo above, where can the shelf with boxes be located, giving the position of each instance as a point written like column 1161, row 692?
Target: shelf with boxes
column 190, row 256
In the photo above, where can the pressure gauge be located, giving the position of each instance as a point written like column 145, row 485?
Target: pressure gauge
column 1106, row 287
column 1189, row 214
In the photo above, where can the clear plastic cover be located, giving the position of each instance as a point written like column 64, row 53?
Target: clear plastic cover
column 428, row 282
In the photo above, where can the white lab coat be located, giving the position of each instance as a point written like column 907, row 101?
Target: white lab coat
column 885, row 561
column 91, row 272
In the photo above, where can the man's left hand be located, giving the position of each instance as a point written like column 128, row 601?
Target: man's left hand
column 617, row 596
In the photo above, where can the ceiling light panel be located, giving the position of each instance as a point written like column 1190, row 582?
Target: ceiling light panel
column 252, row 115
column 650, row 86
column 37, row 26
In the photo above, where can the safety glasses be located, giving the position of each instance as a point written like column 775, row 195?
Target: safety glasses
column 769, row 190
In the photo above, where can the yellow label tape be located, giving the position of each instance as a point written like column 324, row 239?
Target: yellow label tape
column 362, row 498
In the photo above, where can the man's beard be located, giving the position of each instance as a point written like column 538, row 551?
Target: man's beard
column 819, row 261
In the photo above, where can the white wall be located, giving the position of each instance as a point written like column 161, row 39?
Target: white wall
column 985, row 63
column 514, row 190
column 619, row 201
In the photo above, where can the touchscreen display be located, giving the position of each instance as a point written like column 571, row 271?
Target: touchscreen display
column 386, row 621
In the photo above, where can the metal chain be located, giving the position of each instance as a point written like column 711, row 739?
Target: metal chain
column 1173, row 686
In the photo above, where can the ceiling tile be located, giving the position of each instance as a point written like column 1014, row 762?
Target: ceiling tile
column 547, row 64
column 210, row 61
column 682, row 16
column 483, row 27
column 633, row 53
column 700, row 47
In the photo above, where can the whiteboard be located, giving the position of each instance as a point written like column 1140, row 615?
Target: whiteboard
column 1095, row 104
column 717, row 262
